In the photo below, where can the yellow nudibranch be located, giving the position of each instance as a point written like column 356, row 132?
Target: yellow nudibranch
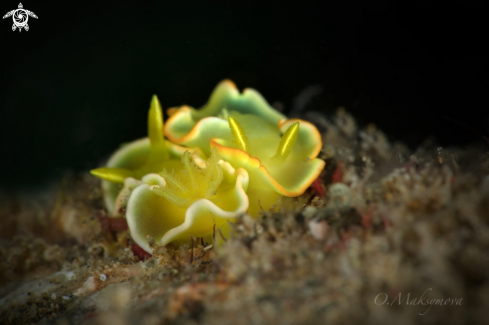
column 189, row 201
column 136, row 159
column 278, row 154
column 173, row 192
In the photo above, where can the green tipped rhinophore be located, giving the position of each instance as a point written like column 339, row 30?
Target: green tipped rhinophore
column 239, row 135
column 287, row 141
column 115, row 175
column 159, row 151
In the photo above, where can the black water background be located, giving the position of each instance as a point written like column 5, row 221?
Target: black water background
column 79, row 82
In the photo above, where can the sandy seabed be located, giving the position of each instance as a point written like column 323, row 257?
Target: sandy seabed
column 401, row 238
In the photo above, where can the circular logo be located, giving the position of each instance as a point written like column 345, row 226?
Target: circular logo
column 20, row 17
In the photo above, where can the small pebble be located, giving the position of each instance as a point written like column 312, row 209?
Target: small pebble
column 319, row 230
column 208, row 247
column 64, row 297
column 53, row 296
column 339, row 195
column 89, row 286
column 103, row 277
column 309, row 212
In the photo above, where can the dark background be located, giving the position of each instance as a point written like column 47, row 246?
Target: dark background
column 79, row 82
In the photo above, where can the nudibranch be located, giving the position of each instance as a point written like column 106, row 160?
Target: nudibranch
column 137, row 159
column 279, row 154
column 172, row 192
column 197, row 199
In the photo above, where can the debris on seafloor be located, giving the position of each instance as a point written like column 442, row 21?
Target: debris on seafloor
column 395, row 236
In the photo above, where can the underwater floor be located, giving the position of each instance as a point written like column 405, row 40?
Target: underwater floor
column 386, row 235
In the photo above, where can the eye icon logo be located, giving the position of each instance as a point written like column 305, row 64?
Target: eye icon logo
column 20, row 17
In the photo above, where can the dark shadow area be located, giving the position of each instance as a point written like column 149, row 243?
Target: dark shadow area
column 79, row 82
